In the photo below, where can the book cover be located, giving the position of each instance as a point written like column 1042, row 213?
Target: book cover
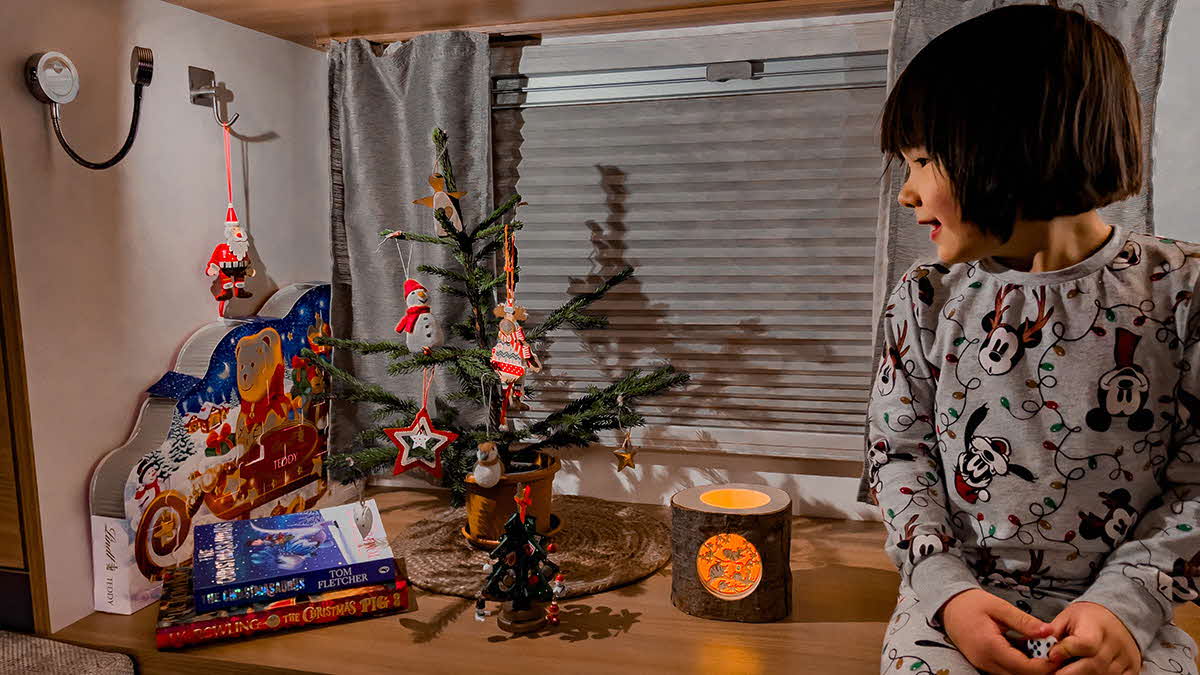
column 180, row 625
column 247, row 561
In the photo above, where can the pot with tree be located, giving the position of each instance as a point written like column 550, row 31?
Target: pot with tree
column 481, row 461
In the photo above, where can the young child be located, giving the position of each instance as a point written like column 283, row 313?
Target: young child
column 1033, row 436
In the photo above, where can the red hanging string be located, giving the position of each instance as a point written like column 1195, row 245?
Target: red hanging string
column 427, row 381
column 228, row 167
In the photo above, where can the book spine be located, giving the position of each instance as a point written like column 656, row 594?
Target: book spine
column 392, row 598
column 305, row 583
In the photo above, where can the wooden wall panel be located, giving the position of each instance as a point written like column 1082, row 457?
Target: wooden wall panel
column 314, row 22
column 16, row 437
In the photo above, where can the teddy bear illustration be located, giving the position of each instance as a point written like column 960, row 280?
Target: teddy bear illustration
column 1114, row 526
column 982, row 460
column 1122, row 391
column 260, row 381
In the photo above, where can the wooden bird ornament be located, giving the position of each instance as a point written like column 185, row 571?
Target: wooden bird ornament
column 441, row 200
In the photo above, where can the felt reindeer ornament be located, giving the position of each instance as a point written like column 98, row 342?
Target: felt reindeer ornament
column 442, row 201
column 512, row 356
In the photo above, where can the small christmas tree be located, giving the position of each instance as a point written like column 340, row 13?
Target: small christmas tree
column 491, row 357
column 521, row 575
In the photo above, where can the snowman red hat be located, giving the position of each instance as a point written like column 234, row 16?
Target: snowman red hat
column 411, row 285
column 409, row 320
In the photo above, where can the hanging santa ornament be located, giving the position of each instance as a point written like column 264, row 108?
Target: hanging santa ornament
column 512, row 356
column 421, row 331
column 442, row 201
column 230, row 260
column 420, row 444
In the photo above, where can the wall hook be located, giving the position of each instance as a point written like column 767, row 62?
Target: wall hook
column 52, row 79
column 203, row 90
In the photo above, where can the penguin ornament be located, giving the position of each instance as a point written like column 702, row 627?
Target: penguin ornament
column 418, row 325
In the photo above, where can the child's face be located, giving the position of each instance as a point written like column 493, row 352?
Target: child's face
column 927, row 190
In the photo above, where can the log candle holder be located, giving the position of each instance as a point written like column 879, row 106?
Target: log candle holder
column 731, row 552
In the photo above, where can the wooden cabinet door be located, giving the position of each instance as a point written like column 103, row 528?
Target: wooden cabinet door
column 12, row 552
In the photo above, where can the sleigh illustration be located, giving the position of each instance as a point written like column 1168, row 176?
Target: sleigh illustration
column 237, row 429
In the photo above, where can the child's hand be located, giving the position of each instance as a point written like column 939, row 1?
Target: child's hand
column 977, row 620
column 1097, row 639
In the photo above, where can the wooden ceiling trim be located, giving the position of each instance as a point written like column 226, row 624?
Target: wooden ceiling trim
column 314, row 23
column 769, row 10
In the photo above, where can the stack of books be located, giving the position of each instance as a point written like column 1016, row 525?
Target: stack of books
column 280, row 573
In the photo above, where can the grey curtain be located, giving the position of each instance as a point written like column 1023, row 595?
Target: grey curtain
column 1140, row 25
column 383, row 106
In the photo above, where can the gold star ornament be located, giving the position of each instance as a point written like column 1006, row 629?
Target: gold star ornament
column 625, row 453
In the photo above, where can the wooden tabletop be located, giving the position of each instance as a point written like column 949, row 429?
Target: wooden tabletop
column 844, row 588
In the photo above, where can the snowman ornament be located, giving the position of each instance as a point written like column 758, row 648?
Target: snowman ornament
column 421, row 331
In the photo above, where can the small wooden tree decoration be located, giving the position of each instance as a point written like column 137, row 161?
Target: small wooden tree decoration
column 521, row 575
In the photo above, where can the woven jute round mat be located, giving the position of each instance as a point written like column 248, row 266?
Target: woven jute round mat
column 602, row 545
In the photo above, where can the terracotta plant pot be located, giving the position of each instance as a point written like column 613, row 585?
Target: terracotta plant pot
column 489, row 508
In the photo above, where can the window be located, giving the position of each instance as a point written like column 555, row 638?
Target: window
column 748, row 208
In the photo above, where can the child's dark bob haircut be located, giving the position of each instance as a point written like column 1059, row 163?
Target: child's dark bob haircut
column 1031, row 111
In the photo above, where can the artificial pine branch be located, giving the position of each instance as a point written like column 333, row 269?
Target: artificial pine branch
column 459, row 237
column 443, row 158
column 450, row 290
column 481, row 230
column 365, row 347
column 416, row 236
column 360, row 392
column 570, row 312
column 496, row 231
column 598, row 410
column 443, row 272
column 372, row 434
column 350, row 467
column 435, row 357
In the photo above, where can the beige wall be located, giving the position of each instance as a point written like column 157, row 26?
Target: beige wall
column 1176, row 134
column 109, row 264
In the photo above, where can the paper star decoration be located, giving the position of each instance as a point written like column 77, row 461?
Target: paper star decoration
column 625, row 454
column 420, row 445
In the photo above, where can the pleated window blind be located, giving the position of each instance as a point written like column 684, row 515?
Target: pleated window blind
column 751, row 221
